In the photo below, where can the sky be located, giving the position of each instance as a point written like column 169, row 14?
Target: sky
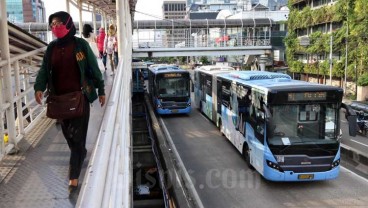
column 146, row 9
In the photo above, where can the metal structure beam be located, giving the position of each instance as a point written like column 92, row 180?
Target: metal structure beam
column 200, row 51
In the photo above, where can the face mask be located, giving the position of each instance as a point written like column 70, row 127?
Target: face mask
column 60, row 30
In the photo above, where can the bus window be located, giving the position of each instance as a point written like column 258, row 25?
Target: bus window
column 305, row 123
column 226, row 93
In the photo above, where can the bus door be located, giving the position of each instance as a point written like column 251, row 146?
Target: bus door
column 208, row 98
column 218, row 100
column 258, row 122
column 197, row 87
column 214, row 100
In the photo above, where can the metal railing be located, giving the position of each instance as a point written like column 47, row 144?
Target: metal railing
column 20, row 60
column 108, row 180
column 202, row 33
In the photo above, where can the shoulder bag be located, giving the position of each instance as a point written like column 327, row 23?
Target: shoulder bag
column 65, row 106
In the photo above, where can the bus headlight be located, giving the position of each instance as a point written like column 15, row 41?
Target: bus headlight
column 189, row 104
column 274, row 166
column 159, row 106
column 335, row 163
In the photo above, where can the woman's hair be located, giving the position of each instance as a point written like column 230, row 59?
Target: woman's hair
column 112, row 30
column 87, row 30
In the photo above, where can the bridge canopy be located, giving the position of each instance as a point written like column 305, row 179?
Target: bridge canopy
column 213, row 23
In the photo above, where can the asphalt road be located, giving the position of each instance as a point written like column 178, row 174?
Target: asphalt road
column 222, row 178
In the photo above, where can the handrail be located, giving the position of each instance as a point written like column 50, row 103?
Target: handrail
column 100, row 172
column 107, row 182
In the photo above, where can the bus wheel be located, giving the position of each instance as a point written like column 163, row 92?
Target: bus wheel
column 246, row 155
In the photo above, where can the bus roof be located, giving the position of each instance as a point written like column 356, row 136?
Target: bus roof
column 139, row 65
column 166, row 68
column 215, row 69
column 270, row 81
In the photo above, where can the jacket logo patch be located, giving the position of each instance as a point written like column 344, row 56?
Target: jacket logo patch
column 80, row 56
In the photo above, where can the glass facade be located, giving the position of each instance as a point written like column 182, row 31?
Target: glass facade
column 19, row 11
column 14, row 10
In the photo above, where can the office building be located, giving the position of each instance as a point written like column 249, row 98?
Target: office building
column 174, row 9
column 20, row 11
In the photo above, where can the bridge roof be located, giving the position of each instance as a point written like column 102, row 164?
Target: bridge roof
column 210, row 23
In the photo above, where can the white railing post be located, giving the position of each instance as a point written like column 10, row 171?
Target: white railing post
column 6, row 72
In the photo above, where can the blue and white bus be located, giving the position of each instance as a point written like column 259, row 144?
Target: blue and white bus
column 205, row 88
column 169, row 89
column 287, row 130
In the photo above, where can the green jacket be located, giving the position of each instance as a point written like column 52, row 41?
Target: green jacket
column 91, row 76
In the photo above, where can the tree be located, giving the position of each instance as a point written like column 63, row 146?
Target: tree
column 204, row 60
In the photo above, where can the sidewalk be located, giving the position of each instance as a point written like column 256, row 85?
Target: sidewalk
column 38, row 175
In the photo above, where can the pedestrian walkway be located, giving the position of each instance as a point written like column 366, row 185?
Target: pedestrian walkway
column 38, row 175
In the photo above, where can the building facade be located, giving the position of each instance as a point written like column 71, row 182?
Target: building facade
column 327, row 40
column 20, row 11
column 172, row 10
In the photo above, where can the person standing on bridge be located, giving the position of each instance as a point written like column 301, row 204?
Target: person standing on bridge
column 90, row 37
column 110, row 46
column 68, row 63
column 100, row 44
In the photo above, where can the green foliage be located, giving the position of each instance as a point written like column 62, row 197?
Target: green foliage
column 297, row 67
column 204, row 60
column 324, row 68
column 353, row 33
column 363, row 80
column 338, row 69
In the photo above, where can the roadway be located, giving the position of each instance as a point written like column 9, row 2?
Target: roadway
column 222, row 178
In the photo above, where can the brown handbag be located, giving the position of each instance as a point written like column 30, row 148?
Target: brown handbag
column 66, row 106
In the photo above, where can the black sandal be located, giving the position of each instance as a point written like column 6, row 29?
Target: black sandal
column 72, row 189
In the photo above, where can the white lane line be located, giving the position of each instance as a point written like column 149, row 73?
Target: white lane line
column 359, row 142
column 356, row 175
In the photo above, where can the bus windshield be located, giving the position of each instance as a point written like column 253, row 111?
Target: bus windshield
column 173, row 87
column 303, row 124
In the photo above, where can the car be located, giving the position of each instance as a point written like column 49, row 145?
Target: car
column 359, row 106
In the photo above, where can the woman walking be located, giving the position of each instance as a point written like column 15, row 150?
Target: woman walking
column 110, row 45
column 67, row 65
column 90, row 37
column 100, row 45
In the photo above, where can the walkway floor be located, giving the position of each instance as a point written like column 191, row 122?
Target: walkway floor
column 38, row 175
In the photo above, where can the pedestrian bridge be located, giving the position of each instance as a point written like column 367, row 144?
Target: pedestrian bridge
column 34, row 157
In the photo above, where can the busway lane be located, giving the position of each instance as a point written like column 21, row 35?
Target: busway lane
column 222, row 179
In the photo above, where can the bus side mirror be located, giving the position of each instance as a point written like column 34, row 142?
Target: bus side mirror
column 351, row 116
column 352, row 119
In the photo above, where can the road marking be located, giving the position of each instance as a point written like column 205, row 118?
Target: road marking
column 358, row 142
column 357, row 175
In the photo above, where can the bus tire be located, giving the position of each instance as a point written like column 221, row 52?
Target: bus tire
column 246, row 155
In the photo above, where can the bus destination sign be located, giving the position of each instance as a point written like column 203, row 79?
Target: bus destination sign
column 171, row 75
column 306, row 96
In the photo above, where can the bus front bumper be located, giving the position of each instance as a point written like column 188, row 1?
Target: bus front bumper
column 274, row 175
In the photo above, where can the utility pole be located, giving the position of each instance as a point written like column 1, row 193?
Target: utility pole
column 346, row 44
column 330, row 53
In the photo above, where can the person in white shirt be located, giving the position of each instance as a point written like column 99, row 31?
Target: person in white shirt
column 90, row 37
column 111, row 46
